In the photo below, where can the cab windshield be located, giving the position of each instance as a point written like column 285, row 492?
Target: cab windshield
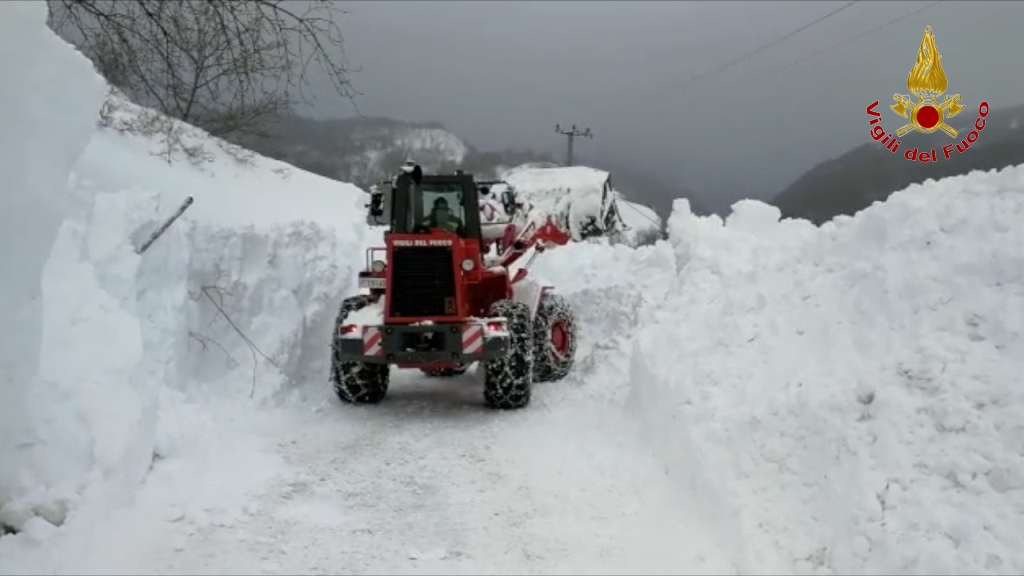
column 441, row 206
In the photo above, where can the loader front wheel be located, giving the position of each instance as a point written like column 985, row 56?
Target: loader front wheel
column 507, row 380
column 356, row 382
column 554, row 339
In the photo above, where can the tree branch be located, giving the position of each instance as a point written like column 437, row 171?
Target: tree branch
column 229, row 67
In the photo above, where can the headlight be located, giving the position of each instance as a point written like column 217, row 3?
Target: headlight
column 377, row 266
column 467, row 264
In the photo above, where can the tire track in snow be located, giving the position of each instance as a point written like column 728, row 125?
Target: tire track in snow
column 431, row 482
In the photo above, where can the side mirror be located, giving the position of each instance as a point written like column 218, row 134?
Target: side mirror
column 508, row 201
column 380, row 201
column 417, row 175
column 376, row 208
column 386, row 194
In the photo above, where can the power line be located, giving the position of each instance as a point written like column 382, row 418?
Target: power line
column 756, row 51
column 638, row 211
column 829, row 49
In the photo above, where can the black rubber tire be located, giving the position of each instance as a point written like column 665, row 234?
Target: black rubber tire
column 356, row 382
column 445, row 372
column 548, row 366
column 507, row 380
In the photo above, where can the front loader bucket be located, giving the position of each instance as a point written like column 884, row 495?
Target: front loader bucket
column 581, row 199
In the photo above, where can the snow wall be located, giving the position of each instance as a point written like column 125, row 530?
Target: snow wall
column 48, row 103
column 848, row 397
column 108, row 352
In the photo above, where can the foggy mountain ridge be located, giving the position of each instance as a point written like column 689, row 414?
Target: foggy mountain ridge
column 360, row 150
column 870, row 173
column 364, row 151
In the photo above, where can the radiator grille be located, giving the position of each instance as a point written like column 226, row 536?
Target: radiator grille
column 422, row 279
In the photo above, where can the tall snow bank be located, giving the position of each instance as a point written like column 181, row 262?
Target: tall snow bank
column 848, row 398
column 266, row 249
column 611, row 289
column 49, row 101
column 136, row 353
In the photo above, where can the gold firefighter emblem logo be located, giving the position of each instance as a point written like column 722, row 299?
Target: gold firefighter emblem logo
column 927, row 81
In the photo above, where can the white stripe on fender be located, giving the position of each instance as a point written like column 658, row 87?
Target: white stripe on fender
column 472, row 338
column 372, row 341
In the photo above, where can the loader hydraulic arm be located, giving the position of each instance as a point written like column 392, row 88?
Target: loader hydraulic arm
column 516, row 243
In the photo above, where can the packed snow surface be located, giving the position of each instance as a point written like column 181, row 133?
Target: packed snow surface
column 751, row 396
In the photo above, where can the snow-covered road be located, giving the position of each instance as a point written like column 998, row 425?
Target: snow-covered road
column 428, row 482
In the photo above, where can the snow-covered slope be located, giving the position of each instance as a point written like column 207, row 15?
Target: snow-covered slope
column 750, row 396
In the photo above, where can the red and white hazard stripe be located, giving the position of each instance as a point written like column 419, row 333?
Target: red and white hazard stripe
column 472, row 338
column 372, row 338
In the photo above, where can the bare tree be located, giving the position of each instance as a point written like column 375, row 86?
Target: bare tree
column 229, row 67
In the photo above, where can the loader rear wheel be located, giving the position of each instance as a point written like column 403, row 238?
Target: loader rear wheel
column 554, row 339
column 356, row 382
column 507, row 380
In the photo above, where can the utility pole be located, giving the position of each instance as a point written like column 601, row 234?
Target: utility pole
column 571, row 135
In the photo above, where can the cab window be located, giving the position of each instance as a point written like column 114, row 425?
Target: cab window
column 440, row 203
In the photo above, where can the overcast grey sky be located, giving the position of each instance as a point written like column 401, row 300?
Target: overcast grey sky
column 501, row 74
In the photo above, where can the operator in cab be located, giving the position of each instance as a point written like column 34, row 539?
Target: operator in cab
column 441, row 217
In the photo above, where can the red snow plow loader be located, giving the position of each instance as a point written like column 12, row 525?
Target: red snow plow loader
column 446, row 292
